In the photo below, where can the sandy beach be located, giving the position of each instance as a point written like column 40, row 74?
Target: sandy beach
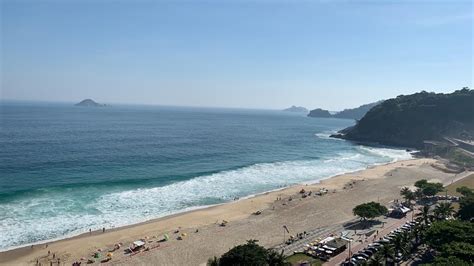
column 205, row 238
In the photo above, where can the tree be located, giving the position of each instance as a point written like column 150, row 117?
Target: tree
column 444, row 232
column 369, row 210
column 421, row 183
column 465, row 191
column 443, row 210
column 388, row 253
column 404, row 191
column 431, row 189
column 466, row 208
column 425, row 214
column 461, row 250
column 249, row 254
column 377, row 259
column 418, row 193
column 408, row 195
column 449, row 261
column 276, row 259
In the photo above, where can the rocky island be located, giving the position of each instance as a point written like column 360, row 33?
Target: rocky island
column 89, row 103
column 296, row 109
column 351, row 113
column 319, row 113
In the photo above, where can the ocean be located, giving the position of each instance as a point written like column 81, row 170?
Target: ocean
column 66, row 169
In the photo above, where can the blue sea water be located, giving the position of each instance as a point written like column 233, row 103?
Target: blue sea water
column 65, row 169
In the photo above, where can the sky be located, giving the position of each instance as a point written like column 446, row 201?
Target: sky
column 249, row 54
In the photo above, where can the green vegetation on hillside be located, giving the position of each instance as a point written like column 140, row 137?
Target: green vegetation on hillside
column 408, row 120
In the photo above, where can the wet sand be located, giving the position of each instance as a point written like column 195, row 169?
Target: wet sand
column 380, row 183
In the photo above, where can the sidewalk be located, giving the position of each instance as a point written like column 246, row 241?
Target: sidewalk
column 390, row 225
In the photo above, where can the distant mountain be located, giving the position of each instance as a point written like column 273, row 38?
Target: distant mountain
column 296, row 109
column 354, row 113
column 409, row 120
column 319, row 113
column 89, row 103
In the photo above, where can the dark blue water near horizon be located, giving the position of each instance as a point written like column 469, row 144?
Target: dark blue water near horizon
column 73, row 168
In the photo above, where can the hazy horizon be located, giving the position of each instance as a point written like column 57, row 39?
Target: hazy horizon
column 195, row 106
column 240, row 54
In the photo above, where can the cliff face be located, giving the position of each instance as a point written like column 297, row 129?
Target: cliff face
column 411, row 119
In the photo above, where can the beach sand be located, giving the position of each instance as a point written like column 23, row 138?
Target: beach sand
column 379, row 183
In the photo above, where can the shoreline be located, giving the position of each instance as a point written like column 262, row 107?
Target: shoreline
column 197, row 208
column 202, row 216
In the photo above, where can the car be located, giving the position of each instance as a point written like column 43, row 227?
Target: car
column 361, row 254
column 349, row 263
column 368, row 252
column 373, row 249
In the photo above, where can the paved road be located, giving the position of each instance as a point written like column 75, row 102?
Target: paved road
column 311, row 236
column 390, row 225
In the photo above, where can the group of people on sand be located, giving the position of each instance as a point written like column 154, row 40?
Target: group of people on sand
column 297, row 237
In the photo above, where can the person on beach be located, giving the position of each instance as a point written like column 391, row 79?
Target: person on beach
column 103, row 229
column 90, row 231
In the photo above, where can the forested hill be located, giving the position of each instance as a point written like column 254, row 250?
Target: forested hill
column 356, row 113
column 408, row 120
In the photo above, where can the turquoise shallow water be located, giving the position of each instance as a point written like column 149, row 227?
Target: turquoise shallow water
column 66, row 169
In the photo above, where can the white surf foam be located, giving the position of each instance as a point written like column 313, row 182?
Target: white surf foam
column 68, row 213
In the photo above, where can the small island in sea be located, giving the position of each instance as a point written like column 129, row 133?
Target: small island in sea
column 320, row 113
column 351, row 113
column 89, row 103
column 296, row 109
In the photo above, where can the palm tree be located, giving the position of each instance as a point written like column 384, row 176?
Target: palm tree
column 387, row 252
column 417, row 234
column 408, row 195
column 406, row 240
column 376, row 260
column 425, row 214
column 404, row 191
column 418, row 193
column 444, row 210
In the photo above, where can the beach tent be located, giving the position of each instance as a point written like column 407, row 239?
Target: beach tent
column 166, row 237
column 110, row 254
column 327, row 239
column 139, row 243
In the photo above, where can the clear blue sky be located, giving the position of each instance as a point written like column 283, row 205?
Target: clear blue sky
column 257, row 54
